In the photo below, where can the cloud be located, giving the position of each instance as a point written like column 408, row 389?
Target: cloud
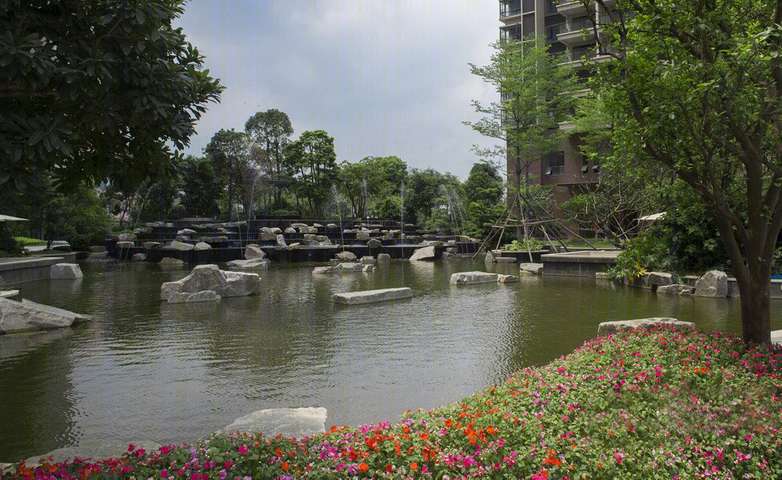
column 381, row 77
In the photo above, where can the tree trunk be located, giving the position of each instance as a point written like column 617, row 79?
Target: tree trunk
column 755, row 309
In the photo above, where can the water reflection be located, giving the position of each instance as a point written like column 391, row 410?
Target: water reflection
column 145, row 369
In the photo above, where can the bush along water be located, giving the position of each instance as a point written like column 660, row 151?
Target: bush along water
column 657, row 404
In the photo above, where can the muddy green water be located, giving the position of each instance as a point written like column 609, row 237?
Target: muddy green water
column 169, row 373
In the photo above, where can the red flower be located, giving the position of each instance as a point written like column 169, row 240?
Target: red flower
column 285, row 465
column 363, row 467
column 243, row 449
column 413, row 466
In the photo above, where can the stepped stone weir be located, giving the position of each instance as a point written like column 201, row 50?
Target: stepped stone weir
column 373, row 296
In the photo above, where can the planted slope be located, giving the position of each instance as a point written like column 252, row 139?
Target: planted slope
column 646, row 404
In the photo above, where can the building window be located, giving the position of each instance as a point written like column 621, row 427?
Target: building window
column 528, row 6
column 584, row 164
column 551, row 6
column 508, row 8
column 552, row 32
column 528, row 23
column 555, row 163
column 511, row 33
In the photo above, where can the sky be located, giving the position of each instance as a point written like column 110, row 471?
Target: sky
column 380, row 77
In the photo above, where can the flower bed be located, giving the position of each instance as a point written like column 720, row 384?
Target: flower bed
column 647, row 404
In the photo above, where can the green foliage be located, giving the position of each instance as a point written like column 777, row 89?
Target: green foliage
column 312, row 165
column 529, row 244
column 370, row 183
column 9, row 246
column 96, row 90
column 270, row 132
column 228, row 151
column 644, row 253
column 200, row 186
column 483, row 191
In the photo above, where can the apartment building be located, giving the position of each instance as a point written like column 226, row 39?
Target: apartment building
column 568, row 29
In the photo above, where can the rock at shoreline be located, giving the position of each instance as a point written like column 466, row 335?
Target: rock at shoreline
column 713, row 283
column 201, row 246
column 624, row 325
column 425, row 253
column 288, row 422
column 507, row 279
column 65, row 271
column 210, row 277
column 676, row 289
column 171, row 262
column 346, row 257
column 181, row 246
column 138, row 257
column 383, row 257
column 96, row 451
column 258, row 262
column 531, row 269
column 471, row 278
column 374, row 243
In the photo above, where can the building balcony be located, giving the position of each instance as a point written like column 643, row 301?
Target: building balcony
column 574, row 38
column 572, row 9
column 580, row 60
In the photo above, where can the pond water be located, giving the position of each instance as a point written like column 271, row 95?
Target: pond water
column 146, row 370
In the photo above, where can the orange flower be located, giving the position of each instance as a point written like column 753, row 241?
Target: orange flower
column 389, row 468
column 286, row 465
column 424, row 437
column 413, row 466
column 363, row 467
column 278, row 452
column 448, row 422
column 406, row 430
column 552, row 460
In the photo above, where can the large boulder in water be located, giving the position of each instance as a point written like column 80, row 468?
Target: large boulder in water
column 254, row 251
column 471, row 278
column 26, row 316
column 425, row 253
column 713, row 283
column 210, row 277
column 65, row 270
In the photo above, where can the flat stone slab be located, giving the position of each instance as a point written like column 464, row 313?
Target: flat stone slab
column 373, row 296
column 676, row 289
column 531, row 269
column 288, row 422
column 471, row 278
column 9, row 293
column 624, row 325
column 507, row 279
column 256, row 262
column 425, row 253
column 504, row 260
column 776, row 337
column 28, row 316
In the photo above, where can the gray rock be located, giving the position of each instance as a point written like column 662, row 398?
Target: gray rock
column 171, row 262
column 8, row 293
column 348, row 267
column 425, row 253
column 253, row 251
column 310, row 236
column 138, row 257
column 507, row 279
column 368, row 268
column 152, row 245
column 363, row 235
column 504, row 260
column 432, row 243
column 27, row 316
column 368, row 260
column 276, row 230
column 321, row 238
column 142, row 231
column 265, row 230
column 383, row 257
column 95, row 450
column 65, row 271
column 181, row 246
column 288, row 422
column 470, row 278
column 346, row 257
column 267, row 236
column 290, row 230
column 332, row 226
column 712, row 284
column 317, row 225
column 374, row 243
column 201, row 246
column 281, row 241
column 203, row 296
column 372, row 296
column 126, row 237
column 489, row 258
column 659, row 279
column 776, row 337
column 210, row 277
column 299, row 225
column 624, row 325
column 322, row 270
column 531, row 268
column 326, row 242
column 451, row 250
column 125, row 244
column 260, row 263
column 186, row 232
column 676, row 289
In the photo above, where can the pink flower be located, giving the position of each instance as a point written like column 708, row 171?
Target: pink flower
column 131, row 447
column 243, row 449
column 619, row 456
column 228, row 464
column 164, row 450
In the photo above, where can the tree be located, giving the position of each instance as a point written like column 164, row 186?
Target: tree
column 312, row 164
column 271, row 131
column 536, row 95
column 370, row 183
column 424, row 197
column 200, row 186
column 96, row 90
column 696, row 86
column 483, row 193
column 228, row 152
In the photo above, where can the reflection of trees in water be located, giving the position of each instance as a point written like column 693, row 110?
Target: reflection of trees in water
column 36, row 393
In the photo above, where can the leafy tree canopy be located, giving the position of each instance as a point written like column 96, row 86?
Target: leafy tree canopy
column 96, row 90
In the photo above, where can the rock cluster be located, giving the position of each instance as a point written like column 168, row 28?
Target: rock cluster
column 210, row 277
column 623, row 325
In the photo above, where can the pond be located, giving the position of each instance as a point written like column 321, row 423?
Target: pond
column 146, row 370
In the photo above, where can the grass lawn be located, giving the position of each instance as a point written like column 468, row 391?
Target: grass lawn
column 659, row 404
column 29, row 242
